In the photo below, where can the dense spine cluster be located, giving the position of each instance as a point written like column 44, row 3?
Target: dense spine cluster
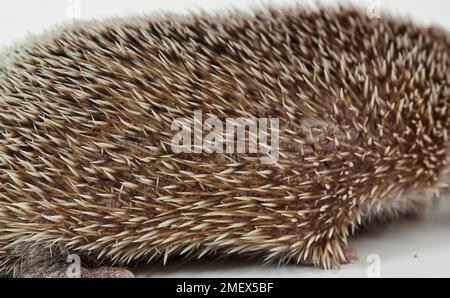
column 85, row 131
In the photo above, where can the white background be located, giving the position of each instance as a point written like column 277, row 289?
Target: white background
column 412, row 248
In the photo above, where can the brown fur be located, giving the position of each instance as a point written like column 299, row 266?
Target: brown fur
column 85, row 116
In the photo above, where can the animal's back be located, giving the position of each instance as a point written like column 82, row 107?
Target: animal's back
column 86, row 119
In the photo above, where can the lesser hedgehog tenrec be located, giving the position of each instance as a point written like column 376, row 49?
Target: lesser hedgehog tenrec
column 86, row 165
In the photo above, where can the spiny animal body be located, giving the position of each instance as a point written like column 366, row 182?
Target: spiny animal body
column 86, row 165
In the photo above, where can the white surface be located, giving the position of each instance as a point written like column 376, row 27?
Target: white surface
column 407, row 248
column 18, row 17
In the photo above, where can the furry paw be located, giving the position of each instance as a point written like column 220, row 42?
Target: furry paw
column 108, row 272
column 350, row 255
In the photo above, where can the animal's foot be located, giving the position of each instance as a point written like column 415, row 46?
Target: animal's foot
column 42, row 264
column 62, row 271
column 350, row 255
column 108, row 272
column 334, row 261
